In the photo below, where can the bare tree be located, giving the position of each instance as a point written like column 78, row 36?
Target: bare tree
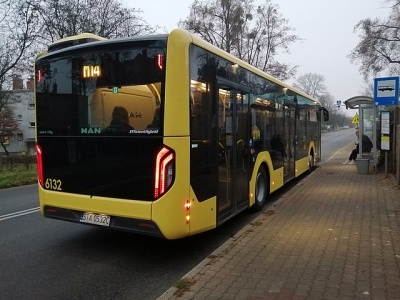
column 312, row 84
column 107, row 18
column 8, row 125
column 217, row 22
column 269, row 35
column 377, row 49
column 254, row 34
column 328, row 101
column 17, row 34
column 368, row 88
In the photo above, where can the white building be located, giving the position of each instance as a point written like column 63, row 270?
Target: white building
column 23, row 140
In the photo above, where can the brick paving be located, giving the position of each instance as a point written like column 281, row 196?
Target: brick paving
column 333, row 235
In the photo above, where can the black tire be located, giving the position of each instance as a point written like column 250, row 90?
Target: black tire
column 261, row 189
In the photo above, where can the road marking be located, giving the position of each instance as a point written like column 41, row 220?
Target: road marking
column 19, row 213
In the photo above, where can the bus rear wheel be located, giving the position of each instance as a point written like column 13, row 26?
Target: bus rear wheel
column 261, row 189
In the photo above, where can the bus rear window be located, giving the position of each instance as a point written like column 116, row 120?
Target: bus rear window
column 118, row 92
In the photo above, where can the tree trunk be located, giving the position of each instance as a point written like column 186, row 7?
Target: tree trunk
column 5, row 149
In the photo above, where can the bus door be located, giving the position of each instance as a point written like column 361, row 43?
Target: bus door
column 233, row 171
column 290, row 136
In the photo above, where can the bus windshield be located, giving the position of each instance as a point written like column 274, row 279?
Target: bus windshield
column 112, row 91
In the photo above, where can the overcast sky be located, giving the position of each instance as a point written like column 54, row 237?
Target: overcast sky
column 326, row 28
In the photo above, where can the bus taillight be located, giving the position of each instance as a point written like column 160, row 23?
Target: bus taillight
column 164, row 172
column 39, row 164
column 39, row 76
column 160, row 61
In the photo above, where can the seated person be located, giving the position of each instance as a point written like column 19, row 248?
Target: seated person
column 156, row 119
column 120, row 121
column 366, row 147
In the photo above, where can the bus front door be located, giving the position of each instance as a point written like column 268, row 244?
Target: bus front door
column 233, row 173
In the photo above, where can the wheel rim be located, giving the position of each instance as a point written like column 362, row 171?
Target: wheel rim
column 260, row 188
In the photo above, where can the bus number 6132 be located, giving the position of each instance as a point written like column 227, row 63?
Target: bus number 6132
column 53, row 184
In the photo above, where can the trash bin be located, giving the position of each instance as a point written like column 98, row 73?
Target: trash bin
column 362, row 165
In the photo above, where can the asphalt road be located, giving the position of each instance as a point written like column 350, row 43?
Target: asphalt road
column 334, row 141
column 48, row 259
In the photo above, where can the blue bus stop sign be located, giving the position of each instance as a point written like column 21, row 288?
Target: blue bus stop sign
column 386, row 91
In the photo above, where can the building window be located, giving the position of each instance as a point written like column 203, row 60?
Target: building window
column 31, row 124
column 20, row 137
column 19, row 117
column 31, row 106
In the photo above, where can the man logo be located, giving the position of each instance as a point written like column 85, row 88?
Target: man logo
column 90, row 130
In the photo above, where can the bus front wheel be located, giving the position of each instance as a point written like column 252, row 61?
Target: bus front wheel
column 261, row 189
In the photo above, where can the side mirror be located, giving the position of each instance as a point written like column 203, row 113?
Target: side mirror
column 325, row 113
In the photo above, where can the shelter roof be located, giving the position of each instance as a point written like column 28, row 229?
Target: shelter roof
column 359, row 101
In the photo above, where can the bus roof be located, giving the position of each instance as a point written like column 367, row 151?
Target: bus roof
column 88, row 40
column 74, row 40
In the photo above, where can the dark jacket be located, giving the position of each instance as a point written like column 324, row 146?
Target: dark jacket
column 366, row 144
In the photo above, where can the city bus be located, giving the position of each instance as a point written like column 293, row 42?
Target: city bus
column 164, row 135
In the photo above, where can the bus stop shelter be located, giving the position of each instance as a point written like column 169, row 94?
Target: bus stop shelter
column 367, row 112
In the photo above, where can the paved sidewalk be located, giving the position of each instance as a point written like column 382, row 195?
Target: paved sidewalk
column 334, row 235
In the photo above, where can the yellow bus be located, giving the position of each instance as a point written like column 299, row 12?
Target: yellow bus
column 164, row 135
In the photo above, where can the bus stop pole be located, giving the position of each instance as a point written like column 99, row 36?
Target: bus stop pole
column 374, row 137
column 386, row 164
column 360, row 131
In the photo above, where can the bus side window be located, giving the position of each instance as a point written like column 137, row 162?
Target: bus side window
column 198, row 116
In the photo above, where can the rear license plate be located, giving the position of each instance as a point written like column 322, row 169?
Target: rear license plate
column 96, row 219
